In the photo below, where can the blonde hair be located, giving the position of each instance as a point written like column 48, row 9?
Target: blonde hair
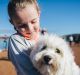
column 20, row 4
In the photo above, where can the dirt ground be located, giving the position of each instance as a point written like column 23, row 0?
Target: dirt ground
column 7, row 68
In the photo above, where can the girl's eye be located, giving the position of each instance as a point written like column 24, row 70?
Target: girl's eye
column 57, row 50
column 22, row 26
column 34, row 21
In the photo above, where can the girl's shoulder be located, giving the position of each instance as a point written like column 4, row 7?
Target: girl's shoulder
column 16, row 37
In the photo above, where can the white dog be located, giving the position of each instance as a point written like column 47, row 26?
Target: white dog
column 53, row 56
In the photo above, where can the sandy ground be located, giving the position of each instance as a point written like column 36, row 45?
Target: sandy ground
column 7, row 68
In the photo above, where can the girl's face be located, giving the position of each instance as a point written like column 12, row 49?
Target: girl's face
column 27, row 22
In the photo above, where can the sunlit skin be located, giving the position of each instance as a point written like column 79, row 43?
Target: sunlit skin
column 27, row 22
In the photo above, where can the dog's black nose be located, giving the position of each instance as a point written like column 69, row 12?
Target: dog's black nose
column 46, row 59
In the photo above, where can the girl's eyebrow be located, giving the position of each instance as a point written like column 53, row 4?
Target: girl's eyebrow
column 35, row 18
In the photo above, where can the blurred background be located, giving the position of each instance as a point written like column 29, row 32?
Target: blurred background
column 57, row 16
column 61, row 17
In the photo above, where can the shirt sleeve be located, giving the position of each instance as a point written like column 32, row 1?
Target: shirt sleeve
column 18, row 54
column 18, row 49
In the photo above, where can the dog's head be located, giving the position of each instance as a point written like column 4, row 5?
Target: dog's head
column 50, row 54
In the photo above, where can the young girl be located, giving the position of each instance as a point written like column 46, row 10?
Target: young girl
column 24, row 16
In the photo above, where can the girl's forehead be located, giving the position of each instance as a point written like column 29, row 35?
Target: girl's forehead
column 28, row 12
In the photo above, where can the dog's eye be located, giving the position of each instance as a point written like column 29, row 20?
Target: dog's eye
column 44, row 47
column 57, row 50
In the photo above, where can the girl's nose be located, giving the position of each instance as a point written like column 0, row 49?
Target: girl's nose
column 30, row 28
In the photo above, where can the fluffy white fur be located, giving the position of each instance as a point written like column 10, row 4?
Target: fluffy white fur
column 52, row 56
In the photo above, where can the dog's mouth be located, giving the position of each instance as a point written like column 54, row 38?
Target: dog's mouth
column 46, row 62
column 49, row 62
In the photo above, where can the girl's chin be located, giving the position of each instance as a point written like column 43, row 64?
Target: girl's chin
column 28, row 38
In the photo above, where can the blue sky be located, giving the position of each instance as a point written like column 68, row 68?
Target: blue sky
column 57, row 16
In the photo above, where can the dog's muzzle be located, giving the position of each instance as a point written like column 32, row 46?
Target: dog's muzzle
column 46, row 59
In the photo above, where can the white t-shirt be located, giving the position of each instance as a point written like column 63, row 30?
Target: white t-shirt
column 18, row 53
